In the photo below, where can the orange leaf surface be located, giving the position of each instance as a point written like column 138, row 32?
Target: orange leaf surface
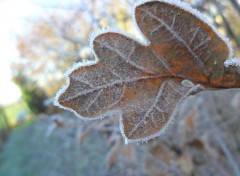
column 144, row 84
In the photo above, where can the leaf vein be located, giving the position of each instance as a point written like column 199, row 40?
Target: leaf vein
column 81, row 79
column 197, row 59
column 149, row 110
column 94, row 100
column 163, row 61
column 128, row 60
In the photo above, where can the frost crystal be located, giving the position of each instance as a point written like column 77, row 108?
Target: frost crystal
column 145, row 83
column 232, row 62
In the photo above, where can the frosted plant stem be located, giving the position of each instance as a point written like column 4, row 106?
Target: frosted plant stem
column 228, row 122
column 218, row 137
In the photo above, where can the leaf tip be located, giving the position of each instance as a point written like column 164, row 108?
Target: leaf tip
column 186, row 7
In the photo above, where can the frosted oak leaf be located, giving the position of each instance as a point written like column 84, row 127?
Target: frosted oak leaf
column 144, row 84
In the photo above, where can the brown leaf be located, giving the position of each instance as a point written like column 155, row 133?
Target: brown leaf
column 185, row 163
column 163, row 153
column 152, row 168
column 196, row 143
column 188, row 122
column 82, row 135
column 160, row 161
column 112, row 156
column 142, row 83
column 130, row 153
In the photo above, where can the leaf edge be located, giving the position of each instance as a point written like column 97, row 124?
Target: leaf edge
column 194, row 90
column 186, row 7
column 144, row 42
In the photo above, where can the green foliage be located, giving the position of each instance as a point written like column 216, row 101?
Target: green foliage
column 32, row 94
column 3, row 119
column 13, row 110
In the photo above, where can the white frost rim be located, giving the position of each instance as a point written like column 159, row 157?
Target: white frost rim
column 193, row 90
column 187, row 8
column 146, row 42
column 232, row 62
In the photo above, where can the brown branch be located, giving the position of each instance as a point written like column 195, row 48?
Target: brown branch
column 236, row 6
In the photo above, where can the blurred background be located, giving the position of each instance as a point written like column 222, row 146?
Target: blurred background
column 41, row 39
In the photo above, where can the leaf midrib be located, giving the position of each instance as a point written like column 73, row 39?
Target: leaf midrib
column 126, row 81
